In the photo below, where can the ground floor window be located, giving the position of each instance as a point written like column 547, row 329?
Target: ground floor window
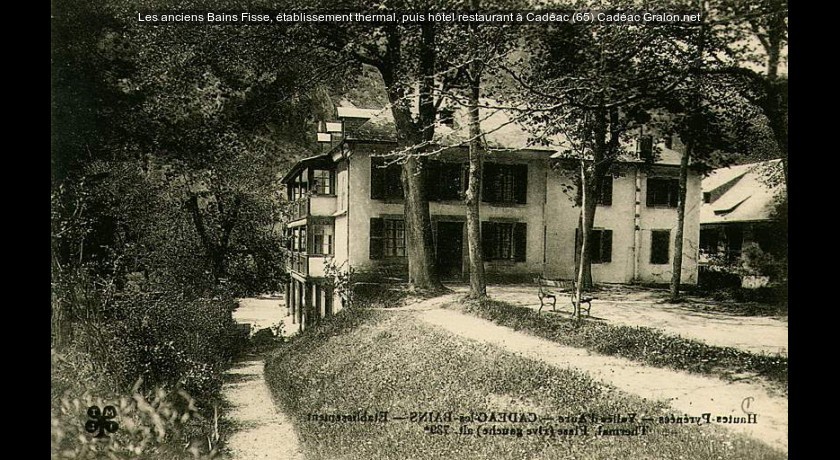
column 387, row 238
column 504, row 240
column 660, row 246
column 600, row 245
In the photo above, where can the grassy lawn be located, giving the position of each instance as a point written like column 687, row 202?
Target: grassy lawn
column 389, row 361
column 641, row 344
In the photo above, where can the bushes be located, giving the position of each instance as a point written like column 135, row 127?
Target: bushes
column 166, row 341
column 159, row 424
column 149, row 356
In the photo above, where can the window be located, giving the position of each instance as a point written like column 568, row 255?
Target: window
column 507, row 184
column 707, row 197
column 660, row 246
column 322, row 239
column 662, row 192
column 646, row 147
column 600, row 245
column 301, row 244
column 446, row 117
column 445, row 181
column 323, row 182
column 504, row 241
column 605, row 197
column 387, row 238
column 385, row 181
column 297, row 189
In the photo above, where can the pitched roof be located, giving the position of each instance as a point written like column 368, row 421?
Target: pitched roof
column 744, row 193
column 501, row 128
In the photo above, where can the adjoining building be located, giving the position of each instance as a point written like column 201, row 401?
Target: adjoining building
column 349, row 209
column 738, row 211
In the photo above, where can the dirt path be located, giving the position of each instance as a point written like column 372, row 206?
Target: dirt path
column 639, row 308
column 262, row 432
column 686, row 393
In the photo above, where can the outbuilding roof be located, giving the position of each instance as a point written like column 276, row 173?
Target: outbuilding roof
column 742, row 193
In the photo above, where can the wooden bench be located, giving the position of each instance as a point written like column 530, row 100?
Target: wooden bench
column 551, row 288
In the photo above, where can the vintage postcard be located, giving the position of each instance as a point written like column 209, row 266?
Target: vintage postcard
column 412, row 229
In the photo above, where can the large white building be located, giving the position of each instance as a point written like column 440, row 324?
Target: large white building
column 350, row 210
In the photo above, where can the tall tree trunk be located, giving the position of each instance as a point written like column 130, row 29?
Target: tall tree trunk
column 676, row 270
column 478, row 286
column 588, row 206
column 584, row 265
column 422, row 272
column 414, row 137
column 693, row 108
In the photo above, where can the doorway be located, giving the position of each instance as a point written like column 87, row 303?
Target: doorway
column 450, row 249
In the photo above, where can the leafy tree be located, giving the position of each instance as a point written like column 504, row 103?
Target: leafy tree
column 595, row 86
column 167, row 146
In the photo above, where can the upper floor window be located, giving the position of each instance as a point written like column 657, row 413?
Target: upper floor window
column 385, row 181
column 323, row 182
column 445, row 181
column 662, row 192
column 646, row 147
column 506, row 184
column 605, row 197
column 322, row 239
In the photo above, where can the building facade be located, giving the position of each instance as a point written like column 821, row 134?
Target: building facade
column 349, row 212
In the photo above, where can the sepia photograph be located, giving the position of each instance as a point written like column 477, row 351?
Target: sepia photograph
column 478, row 229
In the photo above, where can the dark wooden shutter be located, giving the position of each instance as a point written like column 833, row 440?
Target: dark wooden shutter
column 674, row 195
column 606, row 246
column 377, row 179
column 606, row 190
column 520, row 183
column 377, row 237
column 486, row 240
column 520, row 241
column 649, row 191
column 488, row 189
column 595, row 246
column 433, row 180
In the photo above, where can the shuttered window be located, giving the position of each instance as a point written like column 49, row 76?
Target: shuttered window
column 662, row 192
column 445, row 181
column 504, row 241
column 600, row 245
column 605, row 197
column 385, row 182
column 505, row 184
column 660, row 246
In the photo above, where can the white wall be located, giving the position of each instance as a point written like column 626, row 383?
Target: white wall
column 560, row 220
